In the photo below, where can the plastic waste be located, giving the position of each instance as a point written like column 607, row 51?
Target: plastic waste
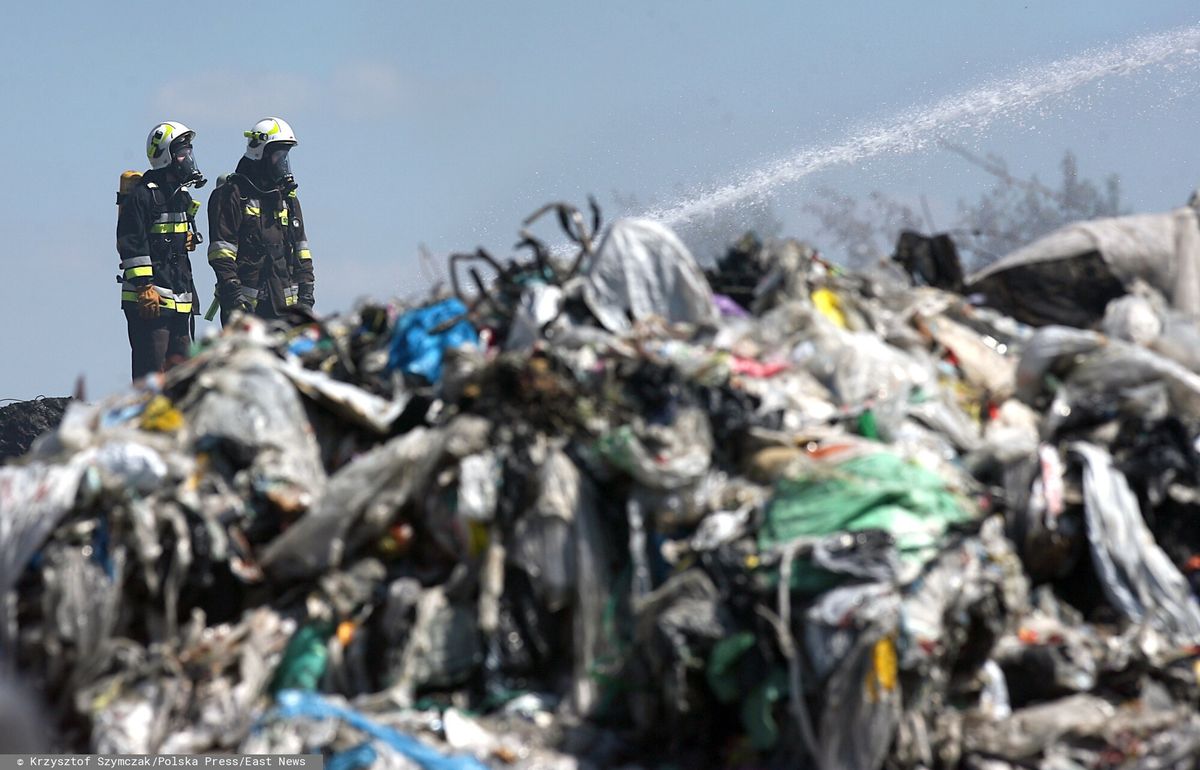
column 422, row 336
column 247, row 408
column 642, row 270
column 822, row 518
column 540, row 306
column 1136, row 575
column 359, row 501
column 293, row 704
column 876, row 491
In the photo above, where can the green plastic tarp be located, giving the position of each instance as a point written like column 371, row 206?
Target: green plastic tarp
column 875, row 491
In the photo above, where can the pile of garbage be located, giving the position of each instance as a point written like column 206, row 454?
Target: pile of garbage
column 596, row 508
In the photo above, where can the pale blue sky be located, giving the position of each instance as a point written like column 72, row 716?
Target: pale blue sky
column 445, row 123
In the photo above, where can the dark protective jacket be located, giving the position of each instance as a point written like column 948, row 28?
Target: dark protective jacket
column 258, row 247
column 152, row 232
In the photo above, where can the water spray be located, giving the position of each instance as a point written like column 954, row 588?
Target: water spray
column 974, row 109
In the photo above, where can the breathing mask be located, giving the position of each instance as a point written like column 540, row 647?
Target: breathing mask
column 183, row 165
column 277, row 168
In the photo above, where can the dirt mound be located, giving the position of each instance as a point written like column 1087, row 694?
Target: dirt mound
column 24, row 421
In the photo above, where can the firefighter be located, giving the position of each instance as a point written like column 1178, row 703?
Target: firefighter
column 257, row 246
column 155, row 232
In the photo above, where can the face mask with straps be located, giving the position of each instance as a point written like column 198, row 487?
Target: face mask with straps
column 183, row 166
column 278, row 167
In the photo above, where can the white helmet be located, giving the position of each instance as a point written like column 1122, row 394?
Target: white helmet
column 267, row 131
column 162, row 137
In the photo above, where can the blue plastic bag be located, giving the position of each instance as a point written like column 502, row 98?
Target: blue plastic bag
column 296, row 703
column 420, row 341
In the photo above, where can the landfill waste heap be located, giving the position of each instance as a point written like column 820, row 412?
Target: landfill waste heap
column 600, row 509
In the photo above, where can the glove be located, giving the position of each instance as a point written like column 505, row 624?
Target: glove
column 191, row 241
column 230, row 297
column 305, row 296
column 148, row 301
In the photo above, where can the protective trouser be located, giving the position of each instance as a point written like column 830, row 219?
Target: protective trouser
column 157, row 343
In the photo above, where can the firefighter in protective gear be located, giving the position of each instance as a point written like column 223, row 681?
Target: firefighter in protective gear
column 155, row 228
column 258, row 246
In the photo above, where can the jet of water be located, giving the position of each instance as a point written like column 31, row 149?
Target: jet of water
column 974, row 109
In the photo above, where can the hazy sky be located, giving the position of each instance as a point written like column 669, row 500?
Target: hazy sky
column 445, row 123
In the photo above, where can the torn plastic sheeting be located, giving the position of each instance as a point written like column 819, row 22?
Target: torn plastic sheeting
column 134, row 467
column 84, row 602
column 868, row 555
column 33, row 499
column 944, row 417
column 1133, row 319
column 1115, row 375
column 875, row 491
column 346, row 400
column 981, row 364
column 442, row 650
column 594, row 583
column 1137, row 577
column 643, row 270
column 676, row 629
column 720, row 527
column 861, row 367
column 478, row 481
column 662, row 457
column 246, row 398
column 543, row 539
column 1045, row 349
column 422, row 336
column 1162, row 249
column 540, row 305
column 994, row 700
column 1030, row 731
column 1101, row 376
column 836, row 619
column 862, row 706
column 361, row 498
column 1179, row 340
column 294, row 704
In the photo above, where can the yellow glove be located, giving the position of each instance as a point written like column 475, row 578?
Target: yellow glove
column 148, row 299
column 191, row 241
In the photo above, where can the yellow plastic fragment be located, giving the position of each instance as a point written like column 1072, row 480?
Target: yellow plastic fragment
column 345, row 632
column 478, row 538
column 161, row 416
column 883, row 674
column 829, row 305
